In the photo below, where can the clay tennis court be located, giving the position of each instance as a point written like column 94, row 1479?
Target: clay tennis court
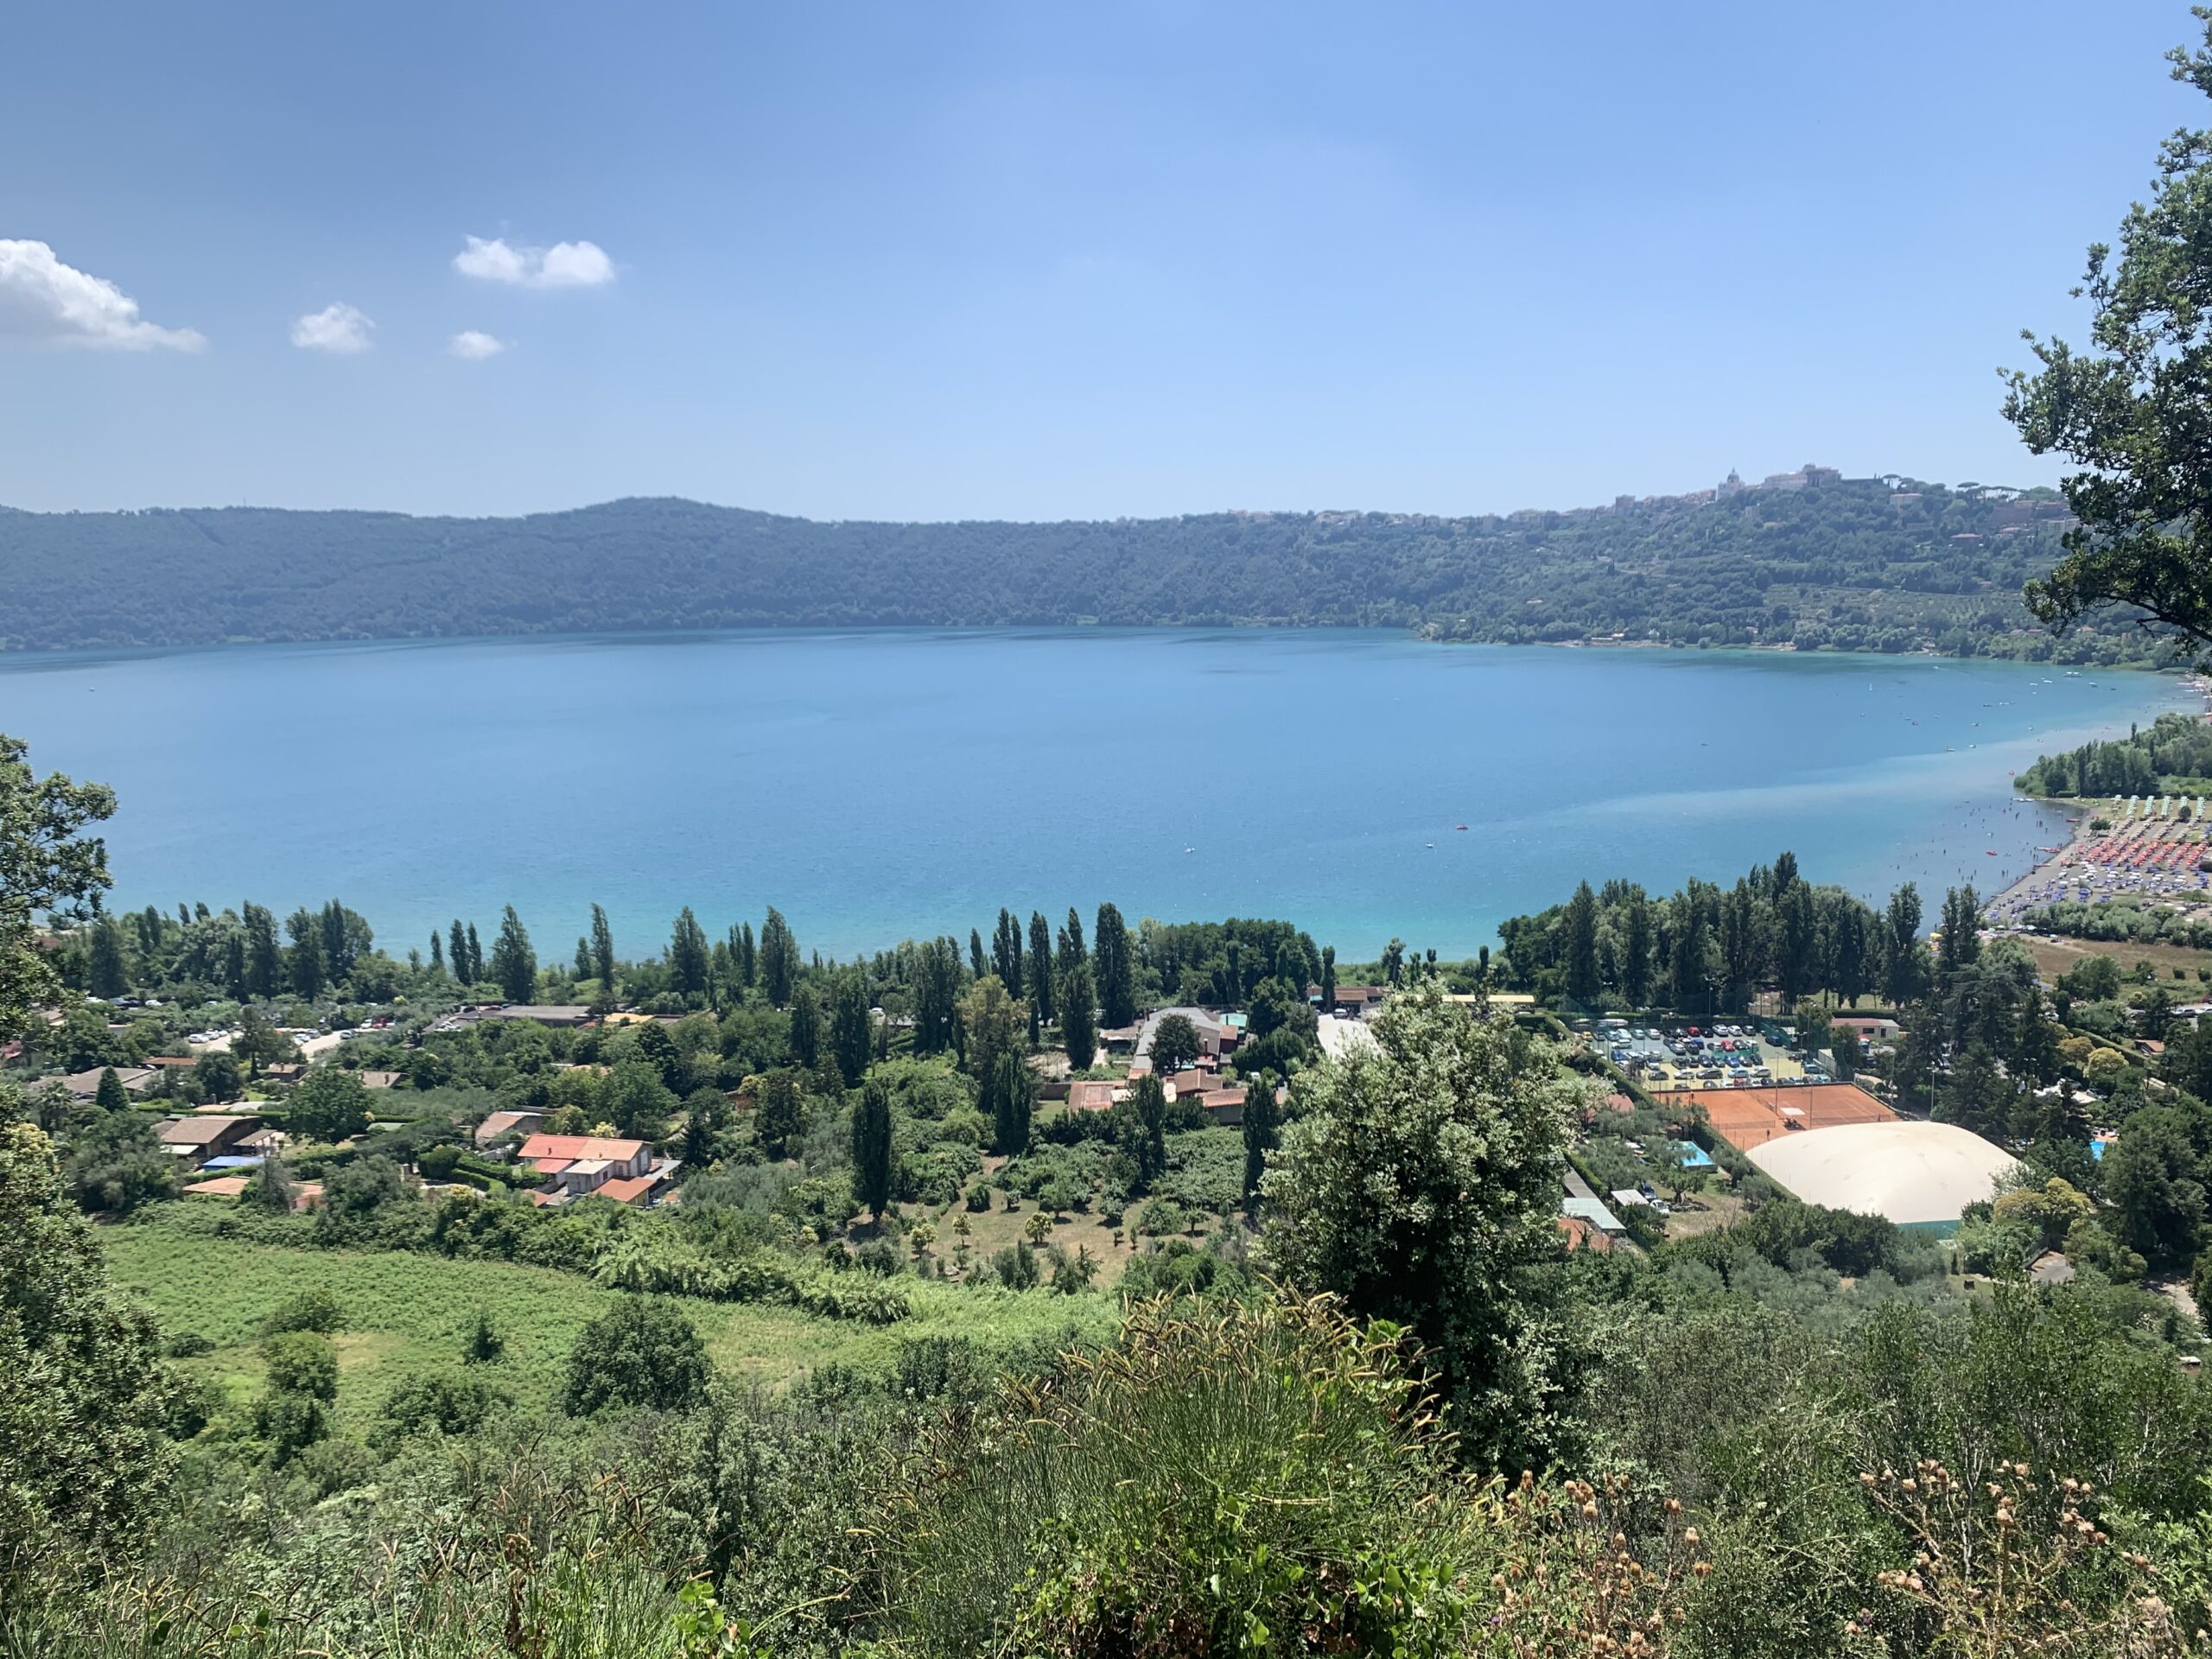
column 1752, row 1117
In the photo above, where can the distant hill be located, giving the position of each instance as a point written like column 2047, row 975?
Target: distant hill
column 1826, row 562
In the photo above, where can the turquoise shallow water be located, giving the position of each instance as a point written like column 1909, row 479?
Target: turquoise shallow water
column 878, row 784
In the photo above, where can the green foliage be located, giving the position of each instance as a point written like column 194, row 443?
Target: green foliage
column 301, row 1361
column 1420, row 1183
column 872, row 1150
column 319, row 1311
column 2176, row 752
column 46, row 864
column 644, row 1352
column 1852, row 564
column 441, row 1403
column 2127, row 410
column 330, row 1103
column 1202, row 1485
column 84, row 1394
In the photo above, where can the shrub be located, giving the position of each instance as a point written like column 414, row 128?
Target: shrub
column 310, row 1310
column 440, row 1404
column 641, row 1352
column 1162, row 1217
column 300, row 1362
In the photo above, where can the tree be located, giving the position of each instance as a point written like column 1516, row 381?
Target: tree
column 482, row 1342
column 85, row 1399
column 852, row 1027
column 437, row 954
column 1904, row 972
column 514, row 964
column 2132, row 409
column 301, row 1361
column 1040, row 966
column 779, row 958
column 806, row 1027
column 1420, row 1185
column 1148, row 1100
column 1328, row 978
column 219, row 1077
column 871, row 1147
column 259, row 1042
column 636, row 1100
column 1116, row 970
column 46, row 864
column 116, row 1164
column 992, row 1021
column 107, row 974
column 111, row 1095
column 602, row 952
column 329, row 1104
column 776, row 1114
column 1580, row 924
column 2155, row 1179
column 1174, row 1044
column 1080, row 1015
column 1635, row 950
column 1013, row 1103
column 1261, row 1134
column 475, row 956
column 1960, row 944
column 304, row 960
column 643, row 1352
column 264, row 957
column 689, row 958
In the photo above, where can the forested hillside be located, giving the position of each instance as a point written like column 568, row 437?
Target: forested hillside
column 1861, row 564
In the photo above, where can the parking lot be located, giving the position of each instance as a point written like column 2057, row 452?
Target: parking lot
column 1732, row 1055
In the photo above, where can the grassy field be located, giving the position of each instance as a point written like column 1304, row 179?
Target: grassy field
column 2054, row 956
column 405, row 1314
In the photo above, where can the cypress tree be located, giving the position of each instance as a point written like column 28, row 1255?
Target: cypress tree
column 749, row 957
column 779, row 958
column 806, row 1027
column 871, row 1147
column 475, row 955
column 111, row 1095
column 1014, row 1104
column 1079, row 1016
column 851, row 1028
column 1328, row 977
column 583, row 957
column 1006, row 951
column 1040, row 965
column 1116, row 974
column 687, row 957
column 304, row 959
column 264, row 957
column 1150, row 1100
column 975, row 953
column 602, row 951
column 437, row 953
column 775, row 1113
column 1260, row 1136
column 107, row 975
column 514, row 964
column 1580, row 922
column 457, row 951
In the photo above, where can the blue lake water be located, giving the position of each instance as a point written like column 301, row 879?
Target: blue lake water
column 878, row 784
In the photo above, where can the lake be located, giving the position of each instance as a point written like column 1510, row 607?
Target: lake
column 878, row 784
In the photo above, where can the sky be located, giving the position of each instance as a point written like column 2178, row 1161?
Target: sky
column 1025, row 261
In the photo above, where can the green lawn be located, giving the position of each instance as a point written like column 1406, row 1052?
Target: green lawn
column 406, row 1313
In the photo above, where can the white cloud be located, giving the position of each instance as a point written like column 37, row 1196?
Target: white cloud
column 565, row 264
column 474, row 346
column 340, row 328
column 43, row 300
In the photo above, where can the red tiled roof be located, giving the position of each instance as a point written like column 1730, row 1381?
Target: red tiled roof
column 629, row 1190
column 581, row 1145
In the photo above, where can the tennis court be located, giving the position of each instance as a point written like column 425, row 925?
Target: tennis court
column 1750, row 1118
